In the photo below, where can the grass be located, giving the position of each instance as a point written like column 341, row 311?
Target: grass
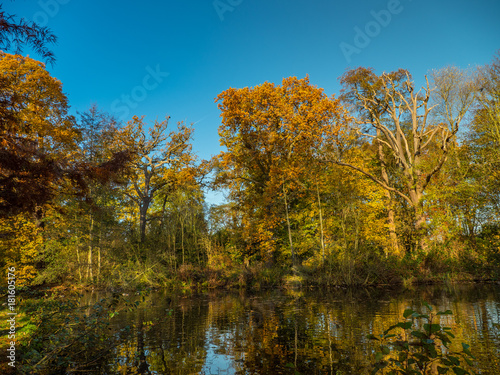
column 24, row 330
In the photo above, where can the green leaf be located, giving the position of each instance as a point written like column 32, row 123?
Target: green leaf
column 371, row 337
column 418, row 334
column 442, row 370
column 422, row 357
column 432, row 351
column 459, row 371
column 432, row 327
column 466, row 350
column 378, row 356
column 389, row 329
column 454, row 360
column 385, row 349
column 447, row 312
column 427, row 305
column 469, row 362
column 405, row 325
column 407, row 313
column 290, row 365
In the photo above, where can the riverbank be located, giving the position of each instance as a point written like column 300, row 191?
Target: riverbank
column 260, row 276
column 334, row 271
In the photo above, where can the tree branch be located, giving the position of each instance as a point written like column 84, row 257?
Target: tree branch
column 374, row 179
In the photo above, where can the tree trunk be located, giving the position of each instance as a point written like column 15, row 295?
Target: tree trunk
column 78, row 263
column 182, row 241
column 89, row 255
column 288, row 225
column 322, row 238
column 99, row 255
column 420, row 228
column 143, row 210
column 391, row 222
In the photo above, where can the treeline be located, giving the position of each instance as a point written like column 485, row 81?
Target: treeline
column 383, row 183
column 386, row 182
column 85, row 199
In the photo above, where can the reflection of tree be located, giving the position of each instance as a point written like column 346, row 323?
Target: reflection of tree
column 312, row 333
column 165, row 339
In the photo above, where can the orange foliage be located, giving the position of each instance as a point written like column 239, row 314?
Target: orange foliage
column 273, row 135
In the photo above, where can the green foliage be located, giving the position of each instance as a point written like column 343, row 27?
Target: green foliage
column 68, row 336
column 420, row 345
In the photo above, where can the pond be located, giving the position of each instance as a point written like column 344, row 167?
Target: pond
column 293, row 332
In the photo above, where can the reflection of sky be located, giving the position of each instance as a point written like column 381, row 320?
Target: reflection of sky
column 486, row 319
column 216, row 362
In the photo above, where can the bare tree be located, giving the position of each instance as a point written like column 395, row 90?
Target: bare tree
column 398, row 120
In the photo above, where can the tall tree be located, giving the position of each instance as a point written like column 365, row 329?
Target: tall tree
column 97, row 145
column 398, row 117
column 162, row 160
column 38, row 139
column 36, row 134
column 272, row 134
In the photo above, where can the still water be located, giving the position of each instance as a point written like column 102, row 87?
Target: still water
column 293, row 332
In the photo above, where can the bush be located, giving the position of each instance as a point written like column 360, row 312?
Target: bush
column 418, row 348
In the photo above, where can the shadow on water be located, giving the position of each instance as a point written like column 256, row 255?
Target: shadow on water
column 292, row 332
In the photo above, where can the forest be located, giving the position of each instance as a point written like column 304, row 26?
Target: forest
column 383, row 183
column 392, row 181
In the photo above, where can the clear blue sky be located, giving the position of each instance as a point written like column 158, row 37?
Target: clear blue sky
column 118, row 53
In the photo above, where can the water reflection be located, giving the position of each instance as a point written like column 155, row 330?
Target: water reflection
column 279, row 332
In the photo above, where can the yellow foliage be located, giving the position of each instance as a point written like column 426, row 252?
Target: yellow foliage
column 20, row 247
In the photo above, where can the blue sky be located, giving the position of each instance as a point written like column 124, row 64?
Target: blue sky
column 158, row 58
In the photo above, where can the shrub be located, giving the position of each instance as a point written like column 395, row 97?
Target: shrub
column 419, row 349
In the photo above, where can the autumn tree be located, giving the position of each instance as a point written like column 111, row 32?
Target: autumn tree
column 163, row 160
column 36, row 134
column 272, row 134
column 483, row 141
column 97, row 145
column 485, row 127
column 38, row 139
column 180, row 224
column 397, row 118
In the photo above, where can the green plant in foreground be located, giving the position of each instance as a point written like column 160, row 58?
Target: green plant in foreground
column 421, row 347
column 69, row 337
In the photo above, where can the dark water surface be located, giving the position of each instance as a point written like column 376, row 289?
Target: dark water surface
column 292, row 332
